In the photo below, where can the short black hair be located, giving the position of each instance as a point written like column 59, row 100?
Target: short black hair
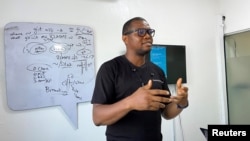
column 127, row 25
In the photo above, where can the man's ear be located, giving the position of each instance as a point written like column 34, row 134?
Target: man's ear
column 124, row 38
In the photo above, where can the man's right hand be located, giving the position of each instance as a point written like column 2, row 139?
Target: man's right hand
column 145, row 98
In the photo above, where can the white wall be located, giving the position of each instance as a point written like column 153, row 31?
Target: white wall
column 192, row 23
column 237, row 15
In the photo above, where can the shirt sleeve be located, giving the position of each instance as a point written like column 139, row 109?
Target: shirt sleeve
column 104, row 85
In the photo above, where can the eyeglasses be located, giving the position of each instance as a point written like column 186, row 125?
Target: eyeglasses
column 142, row 32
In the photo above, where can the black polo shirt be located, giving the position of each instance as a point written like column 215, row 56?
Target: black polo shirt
column 117, row 79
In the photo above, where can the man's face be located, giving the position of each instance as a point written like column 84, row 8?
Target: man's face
column 140, row 45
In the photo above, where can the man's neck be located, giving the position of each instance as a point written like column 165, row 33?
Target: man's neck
column 136, row 60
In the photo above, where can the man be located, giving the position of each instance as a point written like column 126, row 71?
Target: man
column 131, row 94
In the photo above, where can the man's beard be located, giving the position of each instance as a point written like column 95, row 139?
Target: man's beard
column 142, row 52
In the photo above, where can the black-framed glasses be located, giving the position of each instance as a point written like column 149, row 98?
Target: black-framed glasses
column 142, row 32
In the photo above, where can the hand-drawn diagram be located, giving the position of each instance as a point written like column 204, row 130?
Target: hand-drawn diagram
column 49, row 65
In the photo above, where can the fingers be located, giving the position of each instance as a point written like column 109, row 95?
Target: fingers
column 155, row 91
column 179, row 83
column 185, row 89
column 182, row 92
column 179, row 86
column 149, row 85
column 151, row 99
column 156, row 106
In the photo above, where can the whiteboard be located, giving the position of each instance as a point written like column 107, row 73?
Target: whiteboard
column 48, row 65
